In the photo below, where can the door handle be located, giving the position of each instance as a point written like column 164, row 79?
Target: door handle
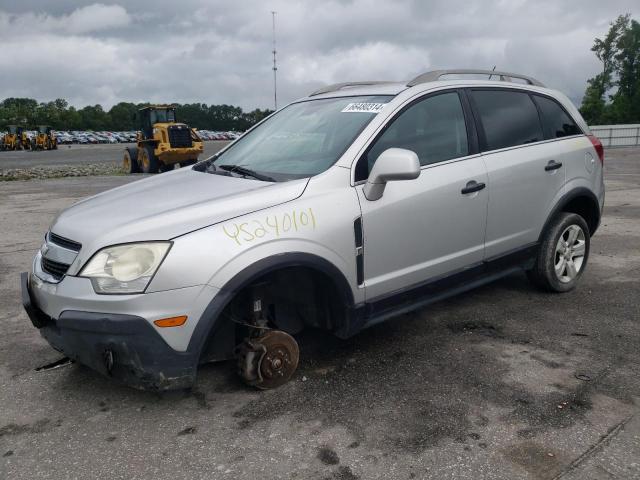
column 472, row 186
column 552, row 165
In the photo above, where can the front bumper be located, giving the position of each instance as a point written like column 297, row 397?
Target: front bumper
column 175, row 155
column 125, row 347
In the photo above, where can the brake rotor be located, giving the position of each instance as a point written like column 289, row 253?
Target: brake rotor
column 270, row 360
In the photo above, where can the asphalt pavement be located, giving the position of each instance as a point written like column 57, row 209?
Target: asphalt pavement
column 504, row 382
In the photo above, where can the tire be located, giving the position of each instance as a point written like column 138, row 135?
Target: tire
column 148, row 162
column 130, row 160
column 167, row 167
column 563, row 254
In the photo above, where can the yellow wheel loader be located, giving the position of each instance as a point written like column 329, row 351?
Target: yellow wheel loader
column 45, row 139
column 162, row 142
column 10, row 139
column 24, row 142
column 16, row 138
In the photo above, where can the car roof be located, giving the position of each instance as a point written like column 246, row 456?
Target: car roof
column 358, row 90
column 429, row 80
column 396, row 87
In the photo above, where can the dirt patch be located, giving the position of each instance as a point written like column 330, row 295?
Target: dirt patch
column 535, row 459
column 39, row 426
column 343, row 473
column 328, row 456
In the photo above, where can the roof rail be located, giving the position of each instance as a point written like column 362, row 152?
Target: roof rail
column 339, row 86
column 435, row 75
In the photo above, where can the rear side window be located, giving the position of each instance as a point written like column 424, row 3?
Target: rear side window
column 509, row 118
column 433, row 128
column 557, row 123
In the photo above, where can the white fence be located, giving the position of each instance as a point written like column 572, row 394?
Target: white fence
column 617, row 135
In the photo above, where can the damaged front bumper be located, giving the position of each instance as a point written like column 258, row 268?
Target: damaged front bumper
column 125, row 347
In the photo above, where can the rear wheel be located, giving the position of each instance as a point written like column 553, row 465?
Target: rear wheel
column 149, row 163
column 563, row 254
column 130, row 160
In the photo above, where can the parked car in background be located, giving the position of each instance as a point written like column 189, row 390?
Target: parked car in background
column 83, row 137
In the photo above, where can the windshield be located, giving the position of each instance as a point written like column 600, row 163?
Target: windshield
column 303, row 139
column 162, row 116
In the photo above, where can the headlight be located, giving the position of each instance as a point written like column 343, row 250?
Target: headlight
column 125, row 268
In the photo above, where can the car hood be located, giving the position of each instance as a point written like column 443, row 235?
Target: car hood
column 168, row 205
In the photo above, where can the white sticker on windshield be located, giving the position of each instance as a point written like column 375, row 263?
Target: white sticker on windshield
column 363, row 107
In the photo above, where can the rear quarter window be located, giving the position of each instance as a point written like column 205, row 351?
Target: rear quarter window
column 509, row 118
column 556, row 121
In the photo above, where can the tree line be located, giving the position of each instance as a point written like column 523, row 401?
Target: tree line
column 62, row 116
column 613, row 95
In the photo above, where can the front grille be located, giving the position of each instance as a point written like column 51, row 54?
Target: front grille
column 64, row 242
column 55, row 269
column 180, row 136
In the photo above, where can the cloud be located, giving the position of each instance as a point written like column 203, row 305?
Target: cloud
column 220, row 52
column 84, row 20
column 96, row 17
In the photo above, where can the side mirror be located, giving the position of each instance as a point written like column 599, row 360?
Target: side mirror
column 392, row 164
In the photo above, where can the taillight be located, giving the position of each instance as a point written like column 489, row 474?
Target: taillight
column 597, row 144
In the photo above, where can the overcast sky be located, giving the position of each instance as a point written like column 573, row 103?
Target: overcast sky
column 220, row 52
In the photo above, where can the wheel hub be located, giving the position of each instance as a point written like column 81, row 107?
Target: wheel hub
column 269, row 360
column 570, row 251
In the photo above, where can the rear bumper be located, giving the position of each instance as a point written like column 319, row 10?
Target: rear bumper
column 125, row 347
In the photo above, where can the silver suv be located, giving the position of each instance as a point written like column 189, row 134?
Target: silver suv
column 343, row 209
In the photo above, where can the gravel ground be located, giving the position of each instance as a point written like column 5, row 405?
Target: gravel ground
column 73, row 161
column 59, row 171
column 503, row 382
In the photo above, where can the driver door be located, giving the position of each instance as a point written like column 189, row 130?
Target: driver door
column 434, row 225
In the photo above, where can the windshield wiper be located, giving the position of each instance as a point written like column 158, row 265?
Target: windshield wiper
column 247, row 172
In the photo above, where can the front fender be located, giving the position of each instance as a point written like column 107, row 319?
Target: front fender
column 285, row 252
column 320, row 227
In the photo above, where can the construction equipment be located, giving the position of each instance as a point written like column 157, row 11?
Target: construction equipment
column 16, row 138
column 44, row 139
column 24, row 142
column 162, row 142
column 10, row 139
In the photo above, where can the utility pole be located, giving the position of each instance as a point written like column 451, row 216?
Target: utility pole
column 275, row 68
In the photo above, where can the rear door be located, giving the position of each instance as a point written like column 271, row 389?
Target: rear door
column 524, row 167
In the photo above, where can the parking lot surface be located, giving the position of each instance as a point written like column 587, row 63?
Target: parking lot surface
column 503, row 382
column 80, row 154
